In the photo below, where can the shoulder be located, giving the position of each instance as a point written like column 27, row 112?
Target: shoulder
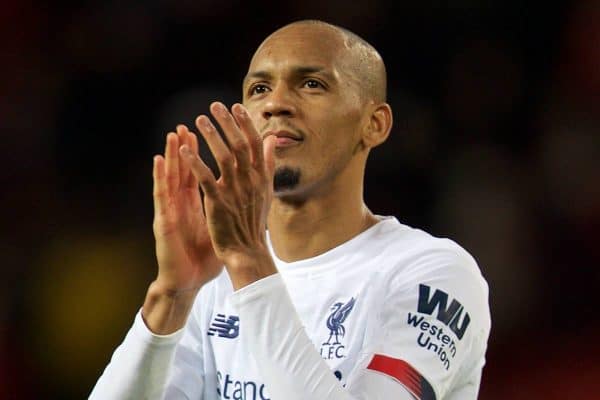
column 435, row 311
column 430, row 271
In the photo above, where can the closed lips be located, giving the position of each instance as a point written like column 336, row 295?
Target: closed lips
column 284, row 135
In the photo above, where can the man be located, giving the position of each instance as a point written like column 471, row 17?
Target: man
column 333, row 302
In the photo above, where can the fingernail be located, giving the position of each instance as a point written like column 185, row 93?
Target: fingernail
column 239, row 110
column 204, row 122
column 185, row 150
column 221, row 109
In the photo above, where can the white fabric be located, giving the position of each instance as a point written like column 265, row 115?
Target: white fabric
column 406, row 295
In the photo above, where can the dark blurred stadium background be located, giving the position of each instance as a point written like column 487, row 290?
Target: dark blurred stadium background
column 496, row 145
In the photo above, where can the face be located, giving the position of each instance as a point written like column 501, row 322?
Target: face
column 296, row 89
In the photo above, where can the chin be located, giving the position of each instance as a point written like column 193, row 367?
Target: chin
column 286, row 179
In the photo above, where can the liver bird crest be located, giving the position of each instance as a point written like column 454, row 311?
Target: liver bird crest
column 337, row 318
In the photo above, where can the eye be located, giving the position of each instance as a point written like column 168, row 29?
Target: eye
column 313, row 84
column 258, row 89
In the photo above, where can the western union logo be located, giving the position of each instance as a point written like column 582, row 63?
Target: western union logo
column 450, row 315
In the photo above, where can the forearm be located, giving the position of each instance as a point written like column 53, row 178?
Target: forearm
column 139, row 367
column 250, row 266
column 166, row 311
column 290, row 364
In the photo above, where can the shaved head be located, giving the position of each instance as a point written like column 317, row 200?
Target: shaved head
column 363, row 65
column 322, row 90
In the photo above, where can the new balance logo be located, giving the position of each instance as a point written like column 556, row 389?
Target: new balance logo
column 449, row 315
column 225, row 327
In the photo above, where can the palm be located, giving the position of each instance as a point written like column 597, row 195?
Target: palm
column 184, row 252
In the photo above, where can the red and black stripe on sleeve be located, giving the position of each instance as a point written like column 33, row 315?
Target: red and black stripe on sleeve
column 401, row 371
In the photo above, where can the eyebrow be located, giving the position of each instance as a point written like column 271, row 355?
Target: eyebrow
column 296, row 71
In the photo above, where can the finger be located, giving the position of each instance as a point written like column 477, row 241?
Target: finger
column 172, row 162
column 192, row 142
column 159, row 189
column 252, row 136
column 203, row 174
column 268, row 147
column 238, row 144
column 217, row 147
column 194, row 198
column 184, row 169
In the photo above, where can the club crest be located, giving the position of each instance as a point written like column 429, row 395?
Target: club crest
column 333, row 347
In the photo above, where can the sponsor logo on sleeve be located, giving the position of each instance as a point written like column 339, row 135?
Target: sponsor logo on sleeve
column 452, row 323
column 333, row 348
column 225, row 327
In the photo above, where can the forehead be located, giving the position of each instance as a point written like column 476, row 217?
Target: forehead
column 300, row 45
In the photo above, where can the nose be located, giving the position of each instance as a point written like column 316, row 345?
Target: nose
column 279, row 103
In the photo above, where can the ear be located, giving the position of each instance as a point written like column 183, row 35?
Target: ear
column 378, row 126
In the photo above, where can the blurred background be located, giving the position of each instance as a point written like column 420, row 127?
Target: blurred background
column 496, row 144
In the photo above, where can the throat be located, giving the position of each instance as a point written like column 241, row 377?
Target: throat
column 303, row 233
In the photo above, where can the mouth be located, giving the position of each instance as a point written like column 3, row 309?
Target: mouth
column 285, row 138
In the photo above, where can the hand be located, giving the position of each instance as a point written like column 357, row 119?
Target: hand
column 237, row 203
column 186, row 260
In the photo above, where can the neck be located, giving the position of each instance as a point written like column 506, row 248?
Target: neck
column 307, row 228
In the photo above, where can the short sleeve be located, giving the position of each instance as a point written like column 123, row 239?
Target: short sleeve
column 434, row 323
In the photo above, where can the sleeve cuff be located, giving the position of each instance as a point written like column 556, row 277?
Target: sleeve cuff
column 142, row 332
column 256, row 290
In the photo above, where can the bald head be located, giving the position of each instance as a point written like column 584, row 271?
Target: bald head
column 363, row 67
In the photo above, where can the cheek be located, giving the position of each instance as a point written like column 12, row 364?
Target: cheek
column 340, row 120
column 353, row 111
column 343, row 127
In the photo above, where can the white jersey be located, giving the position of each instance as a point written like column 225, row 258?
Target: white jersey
column 392, row 313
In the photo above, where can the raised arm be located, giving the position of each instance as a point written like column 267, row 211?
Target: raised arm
column 141, row 365
column 186, row 260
